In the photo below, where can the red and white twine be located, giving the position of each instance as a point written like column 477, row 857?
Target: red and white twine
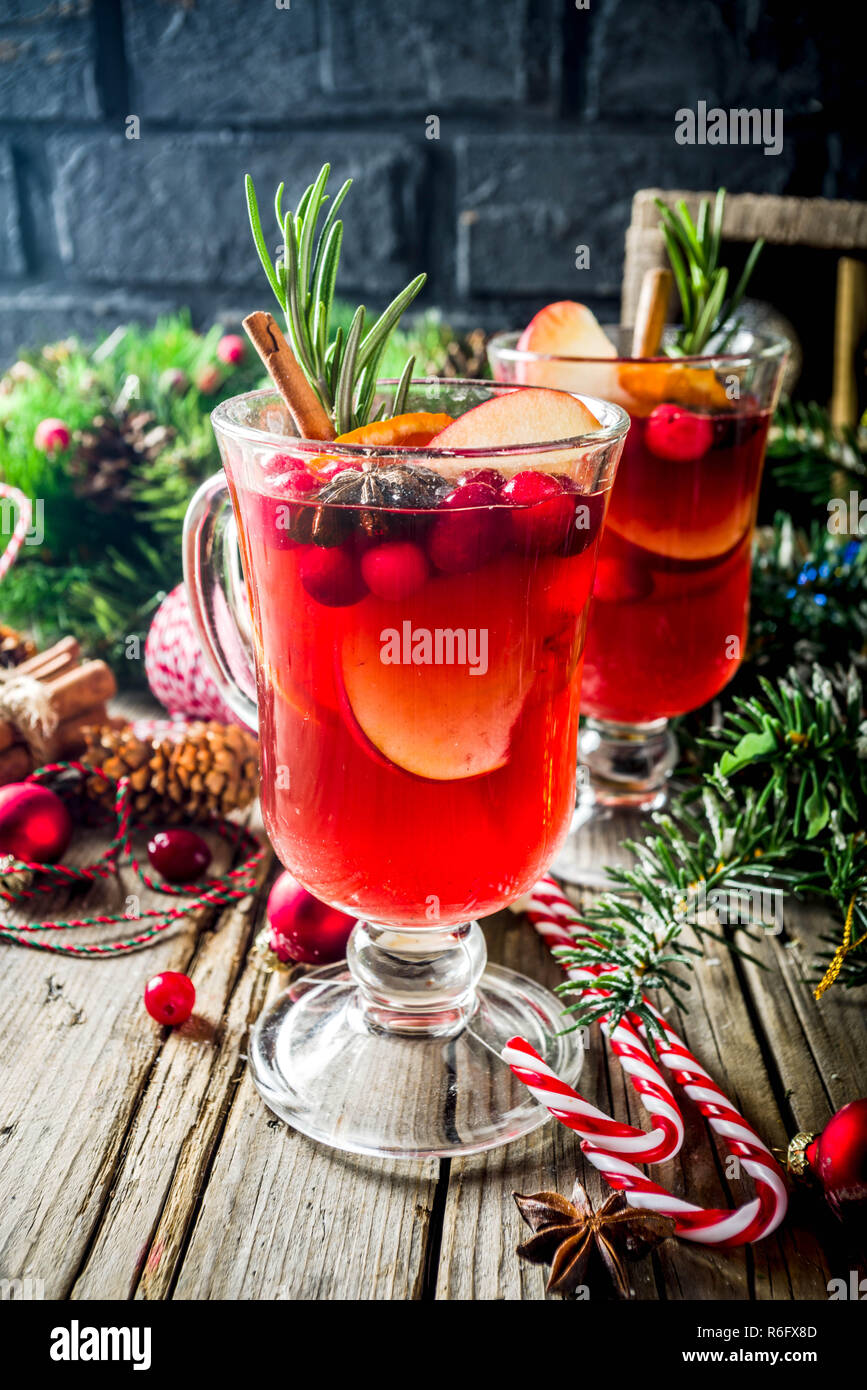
column 610, row 1145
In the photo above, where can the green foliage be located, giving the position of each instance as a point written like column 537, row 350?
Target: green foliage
column 709, row 321
column 342, row 367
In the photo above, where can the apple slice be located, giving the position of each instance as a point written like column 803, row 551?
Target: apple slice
column 566, row 329
column 531, row 416
column 439, row 721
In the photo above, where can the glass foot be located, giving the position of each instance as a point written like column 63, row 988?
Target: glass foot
column 334, row 1063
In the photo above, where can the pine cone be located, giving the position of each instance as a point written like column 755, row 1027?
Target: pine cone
column 111, row 452
column 210, row 769
column 466, row 356
column 14, row 647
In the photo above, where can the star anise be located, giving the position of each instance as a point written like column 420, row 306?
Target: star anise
column 377, row 492
column 567, row 1234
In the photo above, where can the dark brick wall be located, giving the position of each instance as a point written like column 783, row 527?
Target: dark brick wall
column 550, row 117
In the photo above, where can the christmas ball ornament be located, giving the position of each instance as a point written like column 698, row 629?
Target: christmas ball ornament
column 837, row 1158
column 301, row 928
column 231, row 349
column 209, row 380
column 169, row 997
column 34, row 823
column 51, row 436
column 175, row 665
column 179, row 855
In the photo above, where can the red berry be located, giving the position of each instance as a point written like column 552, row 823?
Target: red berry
column 473, row 494
column 51, row 436
column 491, row 476
column 209, row 380
column 463, row 540
column 231, row 349
column 526, row 488
column 302, row 928
column 678, row 435
column 174, row 379
column 290, row 475
column 34, row 823
column 332, row 577
column 331, row 470
column 179, row 855
column 169, row 997
column 394, row 570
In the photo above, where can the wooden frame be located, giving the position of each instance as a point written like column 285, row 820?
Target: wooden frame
column 821, row 223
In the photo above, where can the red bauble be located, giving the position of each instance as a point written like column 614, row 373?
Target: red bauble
column 52, row 436
column 838, row 1157
column 231, row 349
column 169, row 997
column 34, row 823
column 302, row 928
column 179, row 855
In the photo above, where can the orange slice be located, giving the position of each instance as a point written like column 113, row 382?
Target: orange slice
column 411, row 431
column 652, row 382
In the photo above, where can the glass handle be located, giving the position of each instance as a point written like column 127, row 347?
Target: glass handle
column 218, row 598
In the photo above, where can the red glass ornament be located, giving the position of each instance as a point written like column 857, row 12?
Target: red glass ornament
column 169, row 997
column 34, row 823
column 179, row 855
column 838, row 1157
column 301, row 928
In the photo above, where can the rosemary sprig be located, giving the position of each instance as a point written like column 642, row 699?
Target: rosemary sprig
column 342, row 369
column 709, row 321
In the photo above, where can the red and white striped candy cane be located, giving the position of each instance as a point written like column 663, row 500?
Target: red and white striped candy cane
column 22, row 526
column 554, row 917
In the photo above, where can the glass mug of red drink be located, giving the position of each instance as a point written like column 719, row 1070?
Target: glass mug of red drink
column 417, row 619
column 668, row 622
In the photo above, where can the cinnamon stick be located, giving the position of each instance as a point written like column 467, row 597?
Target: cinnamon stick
column 68, row 738
column 651, row 312
column 310, row 417
column 91, row 683
column 53, row 660
column 15, row 763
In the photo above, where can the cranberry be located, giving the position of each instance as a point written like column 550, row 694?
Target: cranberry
column 169, row 997
column 474, row 494
column 394, row 570
column 678, row 435
column 492, row 477
column 526, row 488
column 179, row 855
column 231, row 349
column 332, row 577
column 464, row 540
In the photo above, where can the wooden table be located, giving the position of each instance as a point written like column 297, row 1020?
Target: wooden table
column 137, row 1162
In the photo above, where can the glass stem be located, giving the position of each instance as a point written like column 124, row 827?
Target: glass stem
column 629, row 764
column 417, row 980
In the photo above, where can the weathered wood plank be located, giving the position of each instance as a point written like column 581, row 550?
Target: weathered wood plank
column 284, row 1218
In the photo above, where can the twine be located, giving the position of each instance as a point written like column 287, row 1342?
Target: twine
column 228, row 888
column 26, row 704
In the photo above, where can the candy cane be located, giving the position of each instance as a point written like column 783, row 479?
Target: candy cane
column 553, row 916
column 551, row 913
column 22, row 526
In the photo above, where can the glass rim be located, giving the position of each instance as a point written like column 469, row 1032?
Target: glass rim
column 768, row 347
column 223, row 422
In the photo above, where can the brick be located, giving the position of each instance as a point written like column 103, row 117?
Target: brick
column 647, row 61
column 46, row 60
column 524, row 203
column 11, row 250
column 222, row 60
column 170, row 209
column 40, row 314
column 417, row 55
